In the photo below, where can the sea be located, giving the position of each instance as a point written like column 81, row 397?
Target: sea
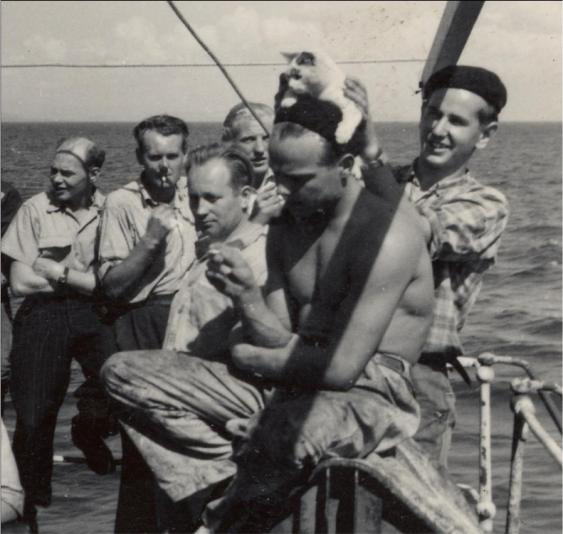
column 518, row 313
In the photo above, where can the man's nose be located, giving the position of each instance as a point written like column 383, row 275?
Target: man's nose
column 57, row 178
column 440, row 127
column 202, row 208
column 163, row 164
column 259, row 146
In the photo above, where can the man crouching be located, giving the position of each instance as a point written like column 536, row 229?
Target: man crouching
column 346, row 310
column 164, row 392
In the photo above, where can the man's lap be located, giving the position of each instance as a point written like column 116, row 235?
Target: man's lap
column 306, row 426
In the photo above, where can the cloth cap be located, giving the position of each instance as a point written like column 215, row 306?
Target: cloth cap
column 319, row 116
column 79, row 147
column 477, row 80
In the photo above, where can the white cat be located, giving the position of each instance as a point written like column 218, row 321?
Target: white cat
column 316, row 74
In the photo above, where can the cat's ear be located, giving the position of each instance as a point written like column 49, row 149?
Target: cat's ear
column 289, row 56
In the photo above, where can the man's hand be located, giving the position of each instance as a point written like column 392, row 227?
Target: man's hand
column 268, row 205
column 162, row 220
column 48, row 269
column 228, row 271
column 356, row 92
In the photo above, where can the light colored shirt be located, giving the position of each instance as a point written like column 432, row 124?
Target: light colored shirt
column 201, row 317
column 124, row 222
column 466, row 220
column 42, row 228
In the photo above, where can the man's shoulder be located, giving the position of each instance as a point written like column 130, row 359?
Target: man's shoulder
column 40, row 202
column 127, row 195
column 474, row 187
column 385, row 225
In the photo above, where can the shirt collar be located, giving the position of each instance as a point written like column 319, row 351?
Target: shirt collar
column 179, row 202
column 97, row 203
column 241, row 238
column 444, row 183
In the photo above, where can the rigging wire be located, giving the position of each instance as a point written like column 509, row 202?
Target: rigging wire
column 179, row 65
column 216, row 60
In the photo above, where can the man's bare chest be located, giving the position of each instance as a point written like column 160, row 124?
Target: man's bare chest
column 316, row 266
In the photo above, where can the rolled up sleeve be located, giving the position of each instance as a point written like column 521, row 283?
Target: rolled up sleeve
column 116, row 237
column 20, row 242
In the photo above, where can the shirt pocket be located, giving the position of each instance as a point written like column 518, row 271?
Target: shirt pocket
column 55, row 247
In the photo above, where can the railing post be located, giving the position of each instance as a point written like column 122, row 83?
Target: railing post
column 485, row 507
column 519, row 438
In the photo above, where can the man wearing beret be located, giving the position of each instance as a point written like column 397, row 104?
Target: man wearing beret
column 462, row 220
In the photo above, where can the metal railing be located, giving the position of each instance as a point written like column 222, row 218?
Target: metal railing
column 525, row 420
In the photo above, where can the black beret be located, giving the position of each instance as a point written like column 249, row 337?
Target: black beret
column 319, row 116
column 480, row 81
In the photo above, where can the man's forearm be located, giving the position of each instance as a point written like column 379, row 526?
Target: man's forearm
column 297, row 364
column 261, row 326
column 122, row 278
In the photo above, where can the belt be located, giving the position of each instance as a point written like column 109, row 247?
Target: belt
column 395, row 363
column 438, row 361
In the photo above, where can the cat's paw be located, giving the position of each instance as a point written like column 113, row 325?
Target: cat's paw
column 288, row 101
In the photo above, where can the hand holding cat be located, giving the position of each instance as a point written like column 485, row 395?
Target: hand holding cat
column 355, row 90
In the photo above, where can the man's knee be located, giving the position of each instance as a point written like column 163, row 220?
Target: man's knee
column 121, row 368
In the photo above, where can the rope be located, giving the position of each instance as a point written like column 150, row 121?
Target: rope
column 216, row 60
column 180, row 65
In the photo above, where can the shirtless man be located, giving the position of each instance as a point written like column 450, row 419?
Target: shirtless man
column 347, row 307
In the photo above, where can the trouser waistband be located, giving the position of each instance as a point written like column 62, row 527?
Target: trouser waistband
column 396, row 363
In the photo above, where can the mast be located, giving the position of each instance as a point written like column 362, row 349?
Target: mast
column 453, row 32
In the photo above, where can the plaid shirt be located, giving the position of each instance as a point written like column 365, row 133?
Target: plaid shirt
column 466, row 220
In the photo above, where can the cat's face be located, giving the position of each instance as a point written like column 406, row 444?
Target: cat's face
column 309, row 72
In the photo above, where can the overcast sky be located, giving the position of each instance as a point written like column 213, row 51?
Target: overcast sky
column 521, row 41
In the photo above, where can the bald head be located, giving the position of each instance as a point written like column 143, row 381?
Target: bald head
column 84, row 150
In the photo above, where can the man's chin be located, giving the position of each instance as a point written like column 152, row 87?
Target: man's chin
column 435, row 160
column 260, row 169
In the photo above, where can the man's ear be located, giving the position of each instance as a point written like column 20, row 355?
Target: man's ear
column 346, row 163
column 93, row 174
column 289, row 56
column 247, row 197
column 487, row 132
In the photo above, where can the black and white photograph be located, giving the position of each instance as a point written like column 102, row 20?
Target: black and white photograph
column 281, row 267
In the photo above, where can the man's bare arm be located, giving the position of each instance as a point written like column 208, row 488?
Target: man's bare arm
column 44, row 276
column 266, row 322
column 364, row 314
column 123, row 277
column 24, row 281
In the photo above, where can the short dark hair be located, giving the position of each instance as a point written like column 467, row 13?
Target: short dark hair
column 332, row 151
column 242, row 172
column 164, row 125
column 239, row 111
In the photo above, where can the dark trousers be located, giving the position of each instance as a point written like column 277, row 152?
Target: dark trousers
column 139, row 328
column 48, row 333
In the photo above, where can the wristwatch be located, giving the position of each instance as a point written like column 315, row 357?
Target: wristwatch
column 63, row 279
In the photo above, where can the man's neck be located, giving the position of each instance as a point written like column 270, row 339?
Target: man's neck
column 244, row 225
column 428, row 175
column 83, row 203
column 162, row 196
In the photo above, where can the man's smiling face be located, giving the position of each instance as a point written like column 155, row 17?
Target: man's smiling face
column 450, row 129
